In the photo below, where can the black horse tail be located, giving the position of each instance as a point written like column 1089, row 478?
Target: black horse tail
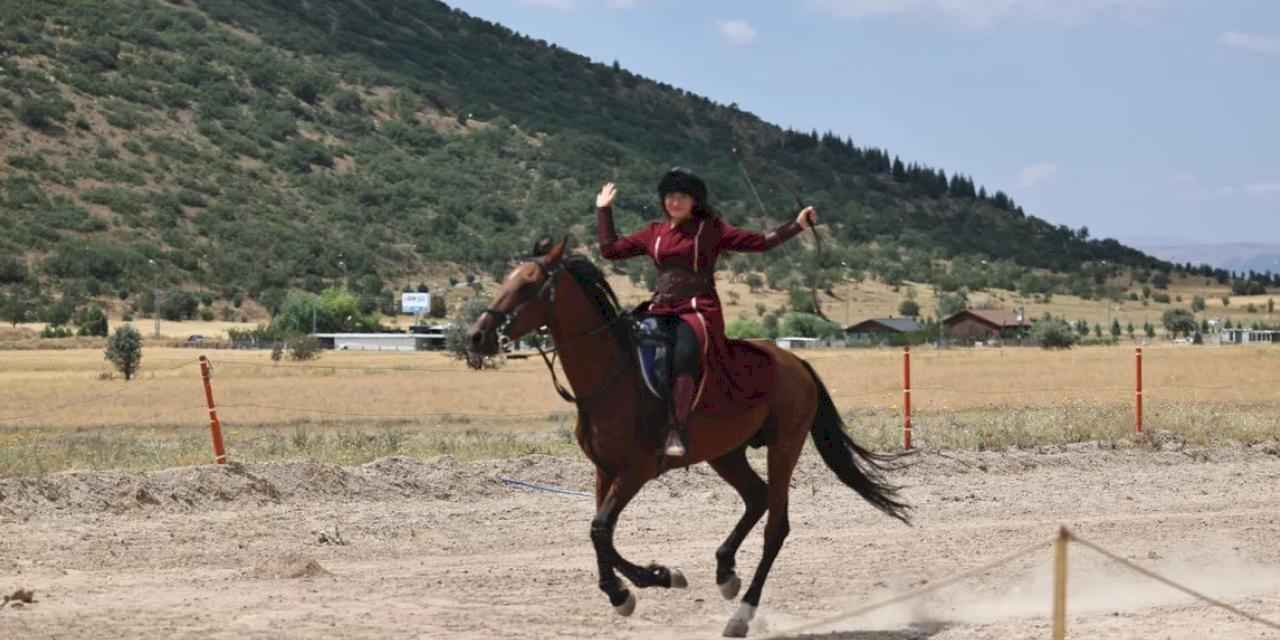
column 862, row 470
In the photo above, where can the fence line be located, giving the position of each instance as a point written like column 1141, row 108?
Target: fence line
column 923, row 591
column 1020, row 390
column 889, row 394
column 386, row 416
column 1058, row 602
column 337, row 367
column 1170, row 583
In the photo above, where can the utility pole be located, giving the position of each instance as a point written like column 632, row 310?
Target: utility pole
column 848, row 292
column 155, row 295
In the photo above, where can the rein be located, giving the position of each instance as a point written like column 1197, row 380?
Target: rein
column 549, row 290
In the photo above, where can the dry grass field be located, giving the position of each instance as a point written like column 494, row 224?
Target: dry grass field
column 65, row 410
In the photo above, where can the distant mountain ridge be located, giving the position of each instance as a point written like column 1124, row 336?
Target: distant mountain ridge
column 1232, row 256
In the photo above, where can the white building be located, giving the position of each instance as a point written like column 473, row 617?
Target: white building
column 795, row 342
column 374, row 341
column 1247, row 336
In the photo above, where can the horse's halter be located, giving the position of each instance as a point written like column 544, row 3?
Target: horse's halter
column 548, row 292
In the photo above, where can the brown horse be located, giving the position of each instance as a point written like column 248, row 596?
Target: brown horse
column 619, row 425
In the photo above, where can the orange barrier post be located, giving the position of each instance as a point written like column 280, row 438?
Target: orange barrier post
column 1139, row 391
column 215, row 427
column 906, row 397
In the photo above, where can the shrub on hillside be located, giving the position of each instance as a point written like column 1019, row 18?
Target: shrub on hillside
column 124, row 350
column 93, row 322
column 304, row 348
column 455, row 339
column 43, row 112
column 745, row 328
column 1053, row 333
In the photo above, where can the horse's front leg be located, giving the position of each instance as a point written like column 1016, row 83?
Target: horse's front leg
column 621, row 490
column 602, row 539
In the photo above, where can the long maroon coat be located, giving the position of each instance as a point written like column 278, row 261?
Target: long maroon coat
column 736, row 375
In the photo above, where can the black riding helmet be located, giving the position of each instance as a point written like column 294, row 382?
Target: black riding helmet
column 681, row 180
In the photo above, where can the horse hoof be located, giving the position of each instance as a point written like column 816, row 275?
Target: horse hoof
column 627, row 608
column 740, row 622
column 677, row 580
column 730, row 587
column 736, row 628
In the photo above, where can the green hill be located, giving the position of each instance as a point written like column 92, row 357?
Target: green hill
column 240, row 149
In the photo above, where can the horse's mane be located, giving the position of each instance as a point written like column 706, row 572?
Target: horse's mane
column 597, row 289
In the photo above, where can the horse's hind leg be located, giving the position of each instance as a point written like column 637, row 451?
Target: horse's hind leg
column 735, row 470
column 782, row 461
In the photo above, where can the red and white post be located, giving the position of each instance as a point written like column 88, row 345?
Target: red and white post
column 906, row 397
column 215, row 427
column 1139, row 391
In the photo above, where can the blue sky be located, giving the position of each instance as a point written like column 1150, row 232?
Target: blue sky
column 1154, row 120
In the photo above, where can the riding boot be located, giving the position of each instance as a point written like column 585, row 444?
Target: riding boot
column 682, row 406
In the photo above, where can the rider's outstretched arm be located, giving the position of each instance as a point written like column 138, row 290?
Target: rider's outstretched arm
column 735, row 239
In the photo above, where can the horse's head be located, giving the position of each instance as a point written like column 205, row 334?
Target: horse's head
column 523, row 305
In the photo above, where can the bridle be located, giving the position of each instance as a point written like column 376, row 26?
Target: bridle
column 548, row 293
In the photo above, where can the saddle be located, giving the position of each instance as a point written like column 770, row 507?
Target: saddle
column 655, row 350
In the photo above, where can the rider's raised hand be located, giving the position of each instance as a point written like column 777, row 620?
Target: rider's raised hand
column 607, row 193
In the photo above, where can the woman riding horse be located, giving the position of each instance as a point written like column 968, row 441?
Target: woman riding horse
column 684, row 248
column 786, row 404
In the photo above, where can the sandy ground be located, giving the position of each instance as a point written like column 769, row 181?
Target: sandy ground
column 441, row 548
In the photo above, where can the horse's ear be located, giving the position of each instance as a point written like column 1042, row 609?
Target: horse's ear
column 557, row 252
column 541, row 247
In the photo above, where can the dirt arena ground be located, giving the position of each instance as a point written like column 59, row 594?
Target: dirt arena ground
column 402, row 548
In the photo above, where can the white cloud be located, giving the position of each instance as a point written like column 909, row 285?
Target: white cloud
column 1037, row 174
column 558, row 5
column 737, row 32
column 1266, row 45
column 984, row 13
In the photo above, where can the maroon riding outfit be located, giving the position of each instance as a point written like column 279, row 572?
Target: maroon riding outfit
column 735, row 374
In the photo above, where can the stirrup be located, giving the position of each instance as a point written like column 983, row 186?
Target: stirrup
column 675, row 448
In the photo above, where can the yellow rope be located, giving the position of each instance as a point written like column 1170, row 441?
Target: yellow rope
column 1169, row 583
column 841, row 617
